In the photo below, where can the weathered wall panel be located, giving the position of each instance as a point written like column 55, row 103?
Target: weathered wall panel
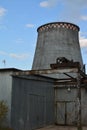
column 62, row 94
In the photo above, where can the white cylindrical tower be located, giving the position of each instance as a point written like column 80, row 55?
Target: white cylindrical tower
column 58, row 39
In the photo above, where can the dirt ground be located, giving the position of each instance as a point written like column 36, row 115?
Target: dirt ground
column 54, row 127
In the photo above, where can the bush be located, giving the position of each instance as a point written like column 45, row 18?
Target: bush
column 3, row 112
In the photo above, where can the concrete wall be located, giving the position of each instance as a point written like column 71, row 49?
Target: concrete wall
column 32, row 102
column 5, row 91
column 56, row 40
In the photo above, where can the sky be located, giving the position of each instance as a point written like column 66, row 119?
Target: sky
column 19, row 20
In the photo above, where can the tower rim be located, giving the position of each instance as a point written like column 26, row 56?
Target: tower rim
column 68, row 24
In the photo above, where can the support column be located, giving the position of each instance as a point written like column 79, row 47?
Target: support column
column 79, row 126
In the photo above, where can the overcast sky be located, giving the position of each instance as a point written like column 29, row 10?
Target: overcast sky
column 19, row 20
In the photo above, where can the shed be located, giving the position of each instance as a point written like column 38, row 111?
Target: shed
column 64, row 99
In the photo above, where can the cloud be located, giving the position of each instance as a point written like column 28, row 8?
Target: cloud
column 83, row 41
column 44, row 4
column 2, row 11
column 71, row 9
column 29, row 25
column 22, row 56
column 3, row 27
column 19, row 56
column 48, row 3
column 3, row 53
column 84, row 17
column 19, row 40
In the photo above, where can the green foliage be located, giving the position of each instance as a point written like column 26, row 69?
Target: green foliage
column 3, row 114
column 3, row 111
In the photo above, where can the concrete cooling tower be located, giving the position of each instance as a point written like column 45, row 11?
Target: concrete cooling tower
column 58, row 39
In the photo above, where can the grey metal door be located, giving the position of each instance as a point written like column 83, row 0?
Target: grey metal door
column 60, row 113
column 71, row 113
column 65, row 113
